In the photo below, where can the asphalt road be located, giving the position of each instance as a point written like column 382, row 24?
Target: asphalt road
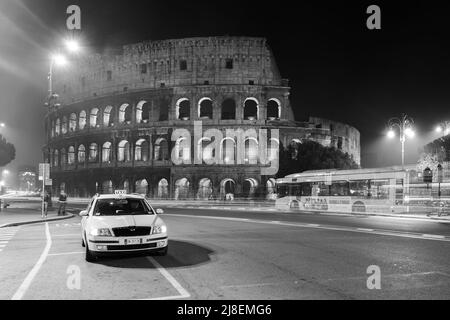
column 236, row 255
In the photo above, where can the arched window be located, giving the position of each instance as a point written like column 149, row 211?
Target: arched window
column 125, row 113
column 163, row 189
column 106, row 152
column 182, row 150
column 82, row 120
column 141, row 152
column 271, row 188
column 274, row 149
column 228, row 150
column 63, row 157
column 123, row 151
column 204, row 153
column 205, row 189
column 205, row 108
column 251, row 109
column 161, row 151
column 181, row 189
column 183, row 109
column 71, row 155
column 108, row 117
column 142, row 112
column 93, row 152
column 273, row 109
column 142, row 186
column 73, row 122
column 56, row 158
column 228, row 109
column 107, row 187
column 251, row 151
column 94, row 118
column 81, row 154
column 249, row 187
column 227, row 187
column 57, row 127
column 64, row 125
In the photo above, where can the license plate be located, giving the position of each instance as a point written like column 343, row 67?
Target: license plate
column 132, row 241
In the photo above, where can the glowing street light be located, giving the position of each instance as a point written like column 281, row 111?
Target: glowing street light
column 444, row 128
column 405, row 127
column 72, row 46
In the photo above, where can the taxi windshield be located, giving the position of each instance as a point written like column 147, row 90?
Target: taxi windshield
column 120, row 207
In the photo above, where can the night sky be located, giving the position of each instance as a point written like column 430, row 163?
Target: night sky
column 338, row 69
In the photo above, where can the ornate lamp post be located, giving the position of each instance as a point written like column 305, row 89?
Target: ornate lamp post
column 405, row 128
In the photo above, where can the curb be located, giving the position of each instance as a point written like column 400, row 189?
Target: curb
column 14, row 224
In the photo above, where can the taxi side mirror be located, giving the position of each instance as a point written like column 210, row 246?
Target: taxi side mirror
column 159, row 211
column 83, row 213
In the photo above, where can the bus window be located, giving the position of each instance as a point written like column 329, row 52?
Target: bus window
column 379, row 189
column 359, row 188
column 340, row 188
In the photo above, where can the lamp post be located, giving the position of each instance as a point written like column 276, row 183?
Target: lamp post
column 405, row 128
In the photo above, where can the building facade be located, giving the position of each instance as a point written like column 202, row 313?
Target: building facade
column 185, row 118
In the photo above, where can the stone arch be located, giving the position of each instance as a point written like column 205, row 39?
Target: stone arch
column 108, row 116
column 71, row 155
column 181, row 189
column 228, row 150
column 142, row 112
column 141, row 186
column 228, row 109
column 72, row 122
column 106, row 152
column 271, row 188
column 93, row 152
column 273, row 109
column 251, row 109
column 274, row 149
column 57, row 127
column 107, row 187
column 141, row 150
column 81, row 153
column 227, row 187
column 183, row 109
column 161, row 150
column 64, row 125
column 125, row 113
column 82, row 120
column 163, row 189
column 249, row 187
column 250, row 150
column 205, row 189
column 94, row 119
column 123, row 151
column 205, row 108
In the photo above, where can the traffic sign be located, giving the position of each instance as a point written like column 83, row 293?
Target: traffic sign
column 48, row 182
column 44, row 169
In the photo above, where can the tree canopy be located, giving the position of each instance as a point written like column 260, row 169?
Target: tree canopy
column 311, row 155
column 7, row 152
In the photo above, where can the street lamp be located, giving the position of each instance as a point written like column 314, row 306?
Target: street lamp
column 405, row 127
column 444, row 128
column 2, row 125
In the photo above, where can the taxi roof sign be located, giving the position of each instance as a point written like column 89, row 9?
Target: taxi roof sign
column 120, row 192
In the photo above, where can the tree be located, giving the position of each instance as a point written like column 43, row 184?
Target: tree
column 310, row 155
column 7, row 152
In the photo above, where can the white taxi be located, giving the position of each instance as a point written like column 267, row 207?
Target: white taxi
column 119, row 223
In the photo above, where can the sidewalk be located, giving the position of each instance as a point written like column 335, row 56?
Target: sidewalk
column 27, row 213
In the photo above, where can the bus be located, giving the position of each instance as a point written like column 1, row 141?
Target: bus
column 357, row 190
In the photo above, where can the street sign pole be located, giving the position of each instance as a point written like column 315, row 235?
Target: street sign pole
column 43, row 191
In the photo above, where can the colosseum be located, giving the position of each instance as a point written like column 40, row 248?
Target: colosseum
column 113, row 120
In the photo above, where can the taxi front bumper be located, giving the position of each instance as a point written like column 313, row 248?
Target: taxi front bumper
column 127, row 244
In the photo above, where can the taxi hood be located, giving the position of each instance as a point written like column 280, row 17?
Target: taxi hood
column 123, row 221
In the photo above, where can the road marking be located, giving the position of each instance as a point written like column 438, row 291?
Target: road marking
column 392, row 233
column 67, row 235
column 30, row 277
column 64, row 253
column 183, row 292
column 313, row 225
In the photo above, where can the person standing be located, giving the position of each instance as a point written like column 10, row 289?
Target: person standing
column 62, row 203
column 46, row 201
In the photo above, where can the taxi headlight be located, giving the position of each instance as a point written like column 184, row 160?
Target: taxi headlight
column 159, row 229
column 102, row 232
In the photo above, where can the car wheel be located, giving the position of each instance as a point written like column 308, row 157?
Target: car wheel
column 90, row 256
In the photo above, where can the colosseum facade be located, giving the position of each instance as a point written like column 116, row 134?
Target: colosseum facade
column 113, row 120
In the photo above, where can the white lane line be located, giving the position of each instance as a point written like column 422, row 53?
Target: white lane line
column 64, row 253
column 183, row 292
column 334, row 228
column 2, row 242
column 67, row 235
column 433, row 236
column 313, row 225
column 365, row 229
column 30, row 277
column 2, row 245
